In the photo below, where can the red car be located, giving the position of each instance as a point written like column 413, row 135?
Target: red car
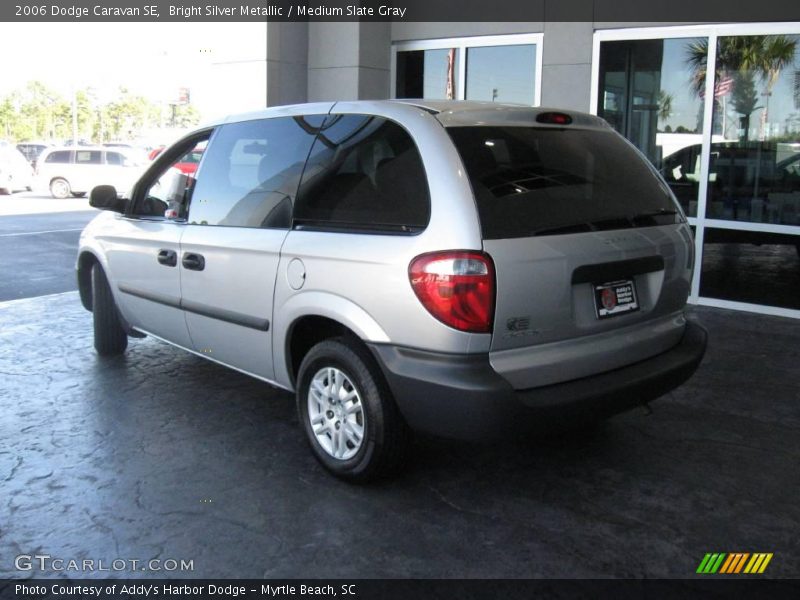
column 187, row 164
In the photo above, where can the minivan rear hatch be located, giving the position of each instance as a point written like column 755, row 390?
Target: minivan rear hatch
column 592, row 255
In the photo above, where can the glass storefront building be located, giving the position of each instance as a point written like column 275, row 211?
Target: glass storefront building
column 716, row 109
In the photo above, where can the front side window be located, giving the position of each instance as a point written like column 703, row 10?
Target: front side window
column 168, row 193
column 113, row 158
column 251, row 171
column 119, row 159
column 364, row 173
column 532, row 181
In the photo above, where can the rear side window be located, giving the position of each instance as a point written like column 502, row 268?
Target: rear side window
column 532, row 181
column 364, row 173
column 61, row 156
column 250, row 173
column 88, row 157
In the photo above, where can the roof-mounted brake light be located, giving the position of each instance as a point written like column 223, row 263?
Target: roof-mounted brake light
column 554, row 118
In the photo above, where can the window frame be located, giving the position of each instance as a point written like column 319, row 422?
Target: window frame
column 462, row 44
column 164, row 160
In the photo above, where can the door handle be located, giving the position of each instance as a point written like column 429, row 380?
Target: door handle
column 193, row 262
column 168, row 257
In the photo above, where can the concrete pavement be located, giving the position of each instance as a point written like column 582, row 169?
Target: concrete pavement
column 27, row 203
column 38, row 253
column 159, row 453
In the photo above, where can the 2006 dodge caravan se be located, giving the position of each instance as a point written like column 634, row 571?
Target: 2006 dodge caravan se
column 458, row 268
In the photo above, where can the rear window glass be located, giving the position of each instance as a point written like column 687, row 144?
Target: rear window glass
column 532, row 181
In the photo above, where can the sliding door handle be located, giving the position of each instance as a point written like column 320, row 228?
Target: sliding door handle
column 193, row 262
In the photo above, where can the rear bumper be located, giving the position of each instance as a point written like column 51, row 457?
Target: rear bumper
column 461, row 396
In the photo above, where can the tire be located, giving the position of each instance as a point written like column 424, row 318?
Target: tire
column 384, row 435
column 78, row 194
column 109, row 337
column 59, row 188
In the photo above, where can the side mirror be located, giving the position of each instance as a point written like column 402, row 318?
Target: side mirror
column 105, row 197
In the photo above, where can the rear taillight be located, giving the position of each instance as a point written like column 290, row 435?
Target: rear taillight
column 457, row 287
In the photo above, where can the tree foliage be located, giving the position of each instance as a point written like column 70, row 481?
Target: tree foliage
column 743, row 58
column 764, row 55
column 38, row 112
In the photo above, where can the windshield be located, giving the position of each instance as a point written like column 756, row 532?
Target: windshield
column 532, row 181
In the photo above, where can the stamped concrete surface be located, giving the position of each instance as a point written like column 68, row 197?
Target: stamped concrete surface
column 161, row 455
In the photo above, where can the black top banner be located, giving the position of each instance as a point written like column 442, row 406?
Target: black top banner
column 640, row 11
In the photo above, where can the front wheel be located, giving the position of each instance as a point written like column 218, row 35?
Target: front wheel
column 59, row 188
column 109, row 337
column 348, row 414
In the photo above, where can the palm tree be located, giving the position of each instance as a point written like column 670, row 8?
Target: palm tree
column 766, row 55
column 664, row 100
column 744, row 100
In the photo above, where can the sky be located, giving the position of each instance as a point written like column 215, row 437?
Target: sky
column 154, row 59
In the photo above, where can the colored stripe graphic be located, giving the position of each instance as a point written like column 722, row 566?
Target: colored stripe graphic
column 758, row 563
column 703, row 563
column 711, row 562
column 734, row 562
column 741, row 562
column 732, row 558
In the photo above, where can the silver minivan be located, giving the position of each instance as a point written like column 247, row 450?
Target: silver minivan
column 464, row 269
column 75, row 170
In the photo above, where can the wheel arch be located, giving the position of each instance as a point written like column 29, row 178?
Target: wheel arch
column 86, row 260
column 308, row 331
column 311, row 318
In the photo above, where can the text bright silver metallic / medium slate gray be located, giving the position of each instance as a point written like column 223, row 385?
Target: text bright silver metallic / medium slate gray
column 457, row 268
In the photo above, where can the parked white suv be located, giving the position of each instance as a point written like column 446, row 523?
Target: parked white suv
column 15, row 171
column 457, row 268
column 76, row 170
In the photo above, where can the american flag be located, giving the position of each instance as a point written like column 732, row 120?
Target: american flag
column 721, row 87
column 451, row 61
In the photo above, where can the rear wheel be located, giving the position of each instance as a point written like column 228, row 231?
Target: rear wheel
column 348, row 414
column 109, row 337
column 59, row 188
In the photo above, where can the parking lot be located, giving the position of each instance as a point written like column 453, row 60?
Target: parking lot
column 161, row 455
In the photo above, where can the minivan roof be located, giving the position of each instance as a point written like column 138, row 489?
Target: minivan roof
column 448, row 112
column 470, row 112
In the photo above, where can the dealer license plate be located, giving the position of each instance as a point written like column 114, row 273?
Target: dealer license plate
column 615, row 298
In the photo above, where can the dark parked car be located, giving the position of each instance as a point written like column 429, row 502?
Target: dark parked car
column 748, row 181
column 32, row 150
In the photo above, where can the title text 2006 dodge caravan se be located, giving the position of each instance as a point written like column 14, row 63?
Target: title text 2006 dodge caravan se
column 457, row 268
